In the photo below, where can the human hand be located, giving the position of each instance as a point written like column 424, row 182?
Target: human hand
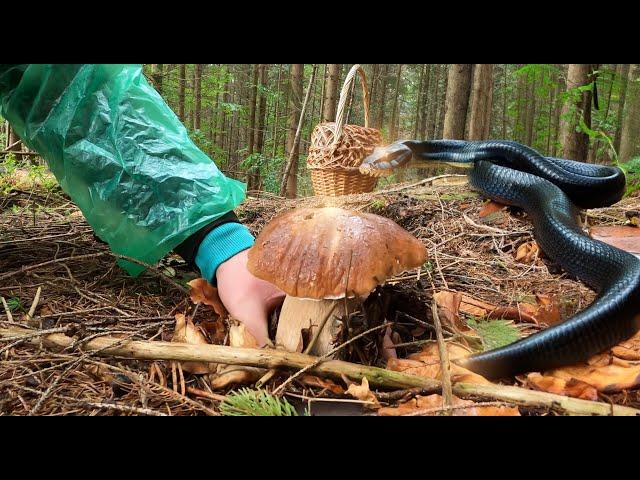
column 247, row 298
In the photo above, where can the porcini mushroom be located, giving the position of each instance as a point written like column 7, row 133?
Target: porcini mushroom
column 319, row 256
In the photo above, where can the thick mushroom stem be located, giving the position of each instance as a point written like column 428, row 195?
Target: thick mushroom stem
column 298, row 314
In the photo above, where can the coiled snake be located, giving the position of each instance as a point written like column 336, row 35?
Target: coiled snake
column 550, row 190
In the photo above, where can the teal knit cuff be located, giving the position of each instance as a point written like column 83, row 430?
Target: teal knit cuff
column 220, row 245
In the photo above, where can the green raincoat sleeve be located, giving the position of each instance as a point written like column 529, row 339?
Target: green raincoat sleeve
column 119, row 152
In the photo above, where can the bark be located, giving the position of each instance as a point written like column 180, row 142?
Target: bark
column 575, row 144
column 457, row 101
column 480, row 125
column 331, row 93
column 630, row 136
column 623, row 75
column 293, row 143
column 181, row 88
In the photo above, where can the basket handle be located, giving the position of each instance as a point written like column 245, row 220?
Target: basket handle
column 340, row 117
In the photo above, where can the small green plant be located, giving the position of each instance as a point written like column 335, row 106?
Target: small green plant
column 378, row 204
column 256, row 403
column 495, row 333
column 14, row 303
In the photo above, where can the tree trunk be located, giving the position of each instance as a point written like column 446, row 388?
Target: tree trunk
column 575, row 145
column 262, row 115
column 383, row 97
column 197, row 94
column 457, row 101
column 157, row 75
column 181, row 88
column 426, row 104
column 276, row 118
column 531, row 109
column 630, row 136
column 623, row 75
column 482, row 103
column 330, row 93
column 418, row 112
column 293, row 147
column 393, row 127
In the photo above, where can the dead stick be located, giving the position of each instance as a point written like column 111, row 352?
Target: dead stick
column 447, row 392
column 332, row 368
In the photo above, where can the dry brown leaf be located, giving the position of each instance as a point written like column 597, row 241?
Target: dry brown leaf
column 433, row 405
column 528, row 252
column 491, row 207
column 187, row 332
column 426, row 363
column 626, row 238
column 449, row 309
column 617, row 376
column 215, row 328
column 572, row 387
column 629, row 349
column 545, row 311
column 313, row 381
column 235, row 375
column 203, row 292
column 240, row 337
column 362, row 392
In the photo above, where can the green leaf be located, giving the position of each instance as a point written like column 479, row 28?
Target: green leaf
column 256, row 403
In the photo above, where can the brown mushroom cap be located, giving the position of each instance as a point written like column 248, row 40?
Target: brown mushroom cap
column 307, row 252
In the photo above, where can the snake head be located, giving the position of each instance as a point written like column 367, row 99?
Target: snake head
column 384, row 160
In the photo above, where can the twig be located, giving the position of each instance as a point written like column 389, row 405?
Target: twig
column 484, row 227
column 450, row 408
column 50, row 262
column 379, row 377
column 7, row 309
column 120, row 408
column 447, row 392
column 34, row 305
column 153, row 269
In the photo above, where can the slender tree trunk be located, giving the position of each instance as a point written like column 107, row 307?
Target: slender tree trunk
column 331, row 93
column 197, row 93
column 575, row 144
column 293, row 147
column 457, row 101
column 419, row 94
column 393, row 128
column 276, row 118
column 182, row 80
column 623, row 75
column 558, row 111
column 157, row 75
column 443, row 100
column 383, row 97
column 630, row 136
column 432, row 128
column 531, row 109
column 262, row 115
column 505, row 74
column 480, row 125
column 425, row 103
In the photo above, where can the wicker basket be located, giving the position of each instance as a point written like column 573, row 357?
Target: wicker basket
column 337, row 150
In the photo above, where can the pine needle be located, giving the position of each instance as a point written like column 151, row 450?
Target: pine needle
column 256, row 403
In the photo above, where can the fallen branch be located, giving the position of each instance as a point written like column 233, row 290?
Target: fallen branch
column 378, row 377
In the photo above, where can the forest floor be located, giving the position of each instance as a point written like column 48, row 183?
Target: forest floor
column 481, row 260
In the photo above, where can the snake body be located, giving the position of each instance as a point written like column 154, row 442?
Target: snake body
column 551, row 191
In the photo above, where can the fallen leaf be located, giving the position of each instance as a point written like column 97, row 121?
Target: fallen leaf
column 449, row 309
column 240, row 337
column 215, row 328
column 528, row 252
column 203, row 292
column 491, row 207
column 433, row 405
column 572, row 387
column 626, row 238
column 187, row 332
column 313, row 381
column 426, row 363
column 235, row 375
column 362, row 392
column 629, row 349
column 617, row 376
column 545, row 311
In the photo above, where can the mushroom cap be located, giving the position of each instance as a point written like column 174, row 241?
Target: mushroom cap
column 311, row 252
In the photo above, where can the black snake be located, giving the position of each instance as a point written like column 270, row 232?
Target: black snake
column 550, row 190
